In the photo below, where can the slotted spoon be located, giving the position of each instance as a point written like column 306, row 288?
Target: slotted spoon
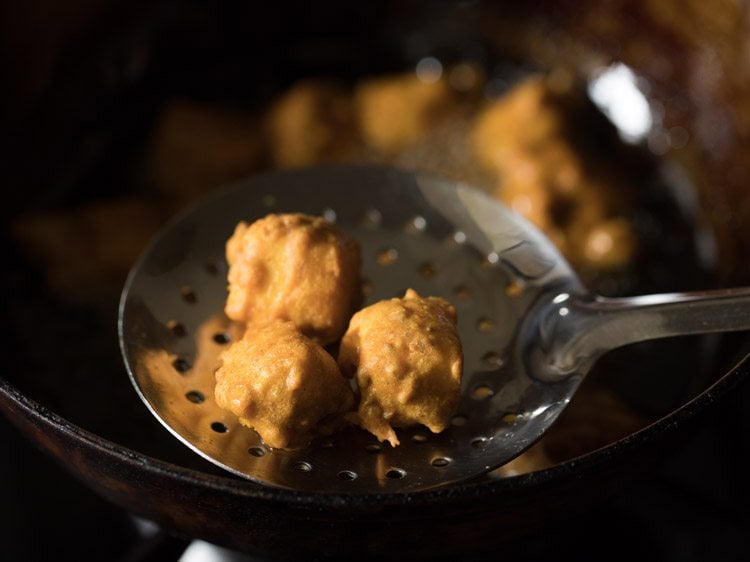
column 530, row 331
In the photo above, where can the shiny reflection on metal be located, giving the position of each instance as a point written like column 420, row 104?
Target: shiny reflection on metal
column 372, row 204
column 541, row 349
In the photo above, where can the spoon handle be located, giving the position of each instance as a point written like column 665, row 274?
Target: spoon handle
column 573, row 332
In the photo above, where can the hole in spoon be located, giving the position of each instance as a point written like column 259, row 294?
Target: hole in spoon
column 347, row 475
column 481, row 392
column 479, row 442
column 440, row 462
column 427, row 270
column 181, row 365
column 222, row 338
column 387, row 256
column 302, row 466
column 195, row 396
column 492, row 359
column 374, row 448
column 188, row 295
column 510, row 417
column 366, row 287
column 462, row 292
column 514, row 289
column 485, row 325
column 177, row 328
column 219, row 427
column 372, row 219
column 256, row 452
column 395, row 473
column 459, row 420
column 212, row 267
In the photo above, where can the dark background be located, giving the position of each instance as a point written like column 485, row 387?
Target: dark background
column 82, row 82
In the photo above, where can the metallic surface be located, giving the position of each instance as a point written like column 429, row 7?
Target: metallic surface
column 440, row 239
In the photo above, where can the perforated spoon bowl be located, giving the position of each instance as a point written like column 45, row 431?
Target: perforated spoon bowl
column 530, row 331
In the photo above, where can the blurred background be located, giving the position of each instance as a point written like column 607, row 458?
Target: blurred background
column 620, row 128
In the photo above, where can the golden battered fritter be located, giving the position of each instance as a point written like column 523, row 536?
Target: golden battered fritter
column 294, row 267
column 396, row 111
column 312, row 122
column 524, row 139
column 282, row 384
column 407, row 357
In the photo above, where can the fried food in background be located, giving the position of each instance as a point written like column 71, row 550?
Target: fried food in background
column 283, row 385
column 88, row 251
column 397, row 111
column 311, row 123
column 524, row 139
column 438, row 116
column 196, row 147
column 407, row 358
column 690, row 57
column 521, row 146
column 294, row 267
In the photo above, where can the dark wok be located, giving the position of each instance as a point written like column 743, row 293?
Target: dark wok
column 78, row 139
column 465, row 520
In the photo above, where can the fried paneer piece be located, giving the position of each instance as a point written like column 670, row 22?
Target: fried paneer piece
column 294, row 267
column 407, row 357
column 396, row 111
column 283, row 385
column 525, row 139
column 312, row 122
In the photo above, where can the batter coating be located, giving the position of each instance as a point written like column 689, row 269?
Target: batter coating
column 294, row 267
column 283, row 385
column 407, row 357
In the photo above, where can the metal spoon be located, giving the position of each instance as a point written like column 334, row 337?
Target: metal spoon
column 530, row 331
